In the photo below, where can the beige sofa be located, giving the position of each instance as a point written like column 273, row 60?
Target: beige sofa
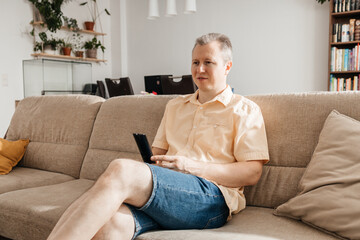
column 73, row 139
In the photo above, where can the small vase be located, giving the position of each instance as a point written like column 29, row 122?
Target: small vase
column 89, row 26
column 66, row 51
column 48, row 49
column 91, row 53
column 79, row 54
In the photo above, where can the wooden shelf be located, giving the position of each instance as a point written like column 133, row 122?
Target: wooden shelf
column 345, row 72
column 345, row 43
column 346, row 14
column 71, row 30
column 45, row 55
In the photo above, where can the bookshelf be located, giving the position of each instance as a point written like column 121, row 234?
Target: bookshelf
column 344, row 45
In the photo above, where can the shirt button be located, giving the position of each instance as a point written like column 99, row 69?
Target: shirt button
column 201, row 107
column 194, row 127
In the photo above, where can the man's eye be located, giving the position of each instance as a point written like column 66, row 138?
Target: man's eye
column 196, row 63
column 207, row 62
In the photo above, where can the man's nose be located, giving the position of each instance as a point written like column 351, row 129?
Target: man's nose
column 201, row 68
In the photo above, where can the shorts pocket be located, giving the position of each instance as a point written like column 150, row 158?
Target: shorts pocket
column 217, row 221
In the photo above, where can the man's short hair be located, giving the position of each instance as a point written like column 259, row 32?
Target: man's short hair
column 225, row 43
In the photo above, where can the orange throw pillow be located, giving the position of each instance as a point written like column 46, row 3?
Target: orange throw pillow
column 11, row 153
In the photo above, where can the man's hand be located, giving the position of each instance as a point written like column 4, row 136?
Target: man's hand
column 177, row 163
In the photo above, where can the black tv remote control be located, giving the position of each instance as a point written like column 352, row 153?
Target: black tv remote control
column 144, row 147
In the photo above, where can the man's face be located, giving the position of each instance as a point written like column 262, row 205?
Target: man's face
column 208, row 68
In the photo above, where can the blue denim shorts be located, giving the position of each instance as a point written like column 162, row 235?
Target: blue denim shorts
column 180, row 201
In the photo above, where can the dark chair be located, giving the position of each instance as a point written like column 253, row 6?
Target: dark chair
column 154, row 84
column 186, row 85
column 100, row 89
column 90, row 88
column 119, row 86
column 165, row 84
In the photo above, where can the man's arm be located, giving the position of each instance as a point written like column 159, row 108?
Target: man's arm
column 236, row 174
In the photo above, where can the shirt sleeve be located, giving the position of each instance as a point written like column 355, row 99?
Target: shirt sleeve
column 160, row 140
column 250, row 141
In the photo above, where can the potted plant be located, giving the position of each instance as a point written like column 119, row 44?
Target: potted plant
column 47, row 45
column 78, row 45
column 94, row 12
column 50, row 11
column 66, row 47
column 71, row 23
column 92, row 46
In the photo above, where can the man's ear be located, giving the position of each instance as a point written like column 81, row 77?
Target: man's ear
column 228, row 66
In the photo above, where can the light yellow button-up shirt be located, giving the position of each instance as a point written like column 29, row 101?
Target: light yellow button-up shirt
column 226, row 129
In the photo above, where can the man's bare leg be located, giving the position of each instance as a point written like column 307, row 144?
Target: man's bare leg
column 120, row 226
column 123, row 181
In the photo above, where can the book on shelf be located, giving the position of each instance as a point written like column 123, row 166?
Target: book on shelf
column 352, row 5
column 344, row 59
column 346, row 32
column 357, row 57
column 344, row 84
column 335, row 6
column 346, row 5
column 339, row 26
column 351, row 29
column 335, row 32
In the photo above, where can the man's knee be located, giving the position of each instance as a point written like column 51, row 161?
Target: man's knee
column 122, row 171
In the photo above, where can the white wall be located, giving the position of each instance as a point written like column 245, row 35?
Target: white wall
column 16, row 46
column 279, row 45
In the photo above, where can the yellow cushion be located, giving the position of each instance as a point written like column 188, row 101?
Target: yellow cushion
column 11, row 153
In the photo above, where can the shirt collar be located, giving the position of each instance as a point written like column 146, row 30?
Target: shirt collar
column 224, row 97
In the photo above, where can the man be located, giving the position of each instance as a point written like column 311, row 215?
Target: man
column 209, row 145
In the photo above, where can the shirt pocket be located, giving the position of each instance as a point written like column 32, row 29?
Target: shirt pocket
column 216, row 138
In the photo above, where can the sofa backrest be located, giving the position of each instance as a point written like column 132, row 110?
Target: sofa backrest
column 117, row 120
column 59, row 128
column 293, row 123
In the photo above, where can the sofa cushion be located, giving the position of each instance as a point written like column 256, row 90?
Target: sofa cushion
column 11, row 153
column 253, row 223
column 59, row 129
column 21, row 177
column 329, row 190
column 117, row 120
column 31, row 214
column 293, row 123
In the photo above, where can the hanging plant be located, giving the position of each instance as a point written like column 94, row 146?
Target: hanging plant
column 51, row 12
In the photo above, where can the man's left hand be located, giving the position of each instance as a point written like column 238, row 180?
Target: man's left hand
column 177, row 163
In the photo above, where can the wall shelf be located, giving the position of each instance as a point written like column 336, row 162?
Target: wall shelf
column 71, row 30
column 344, row 43
column 45, row 55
